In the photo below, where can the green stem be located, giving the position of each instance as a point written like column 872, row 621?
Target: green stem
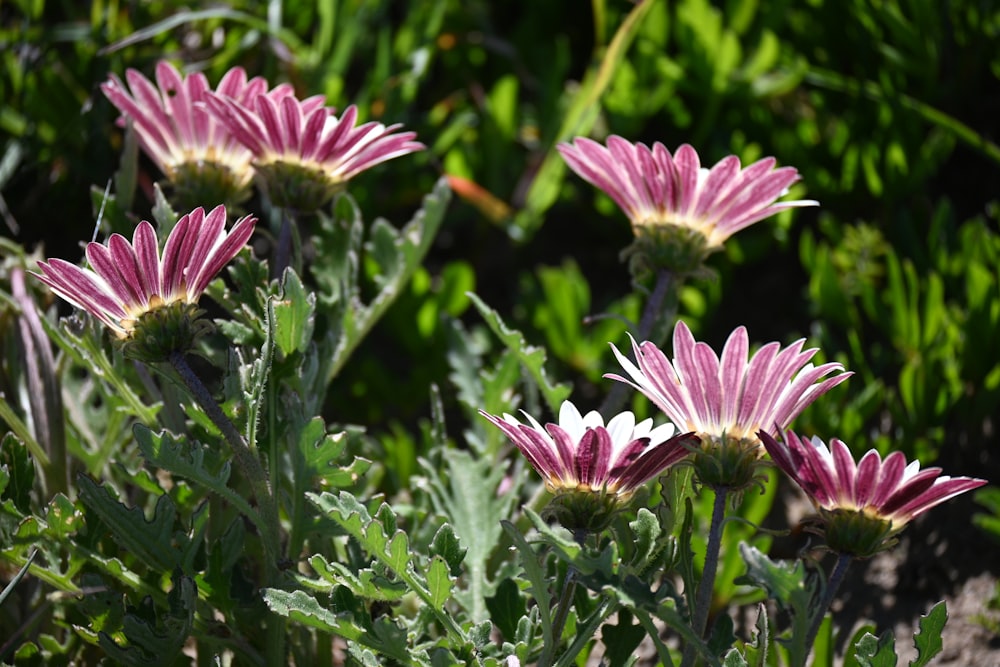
column 562, row 611
column 653, row 318
column 283, row 250
column 703, row 603
column 252, row 469
column 654, row 634
column 836, row 578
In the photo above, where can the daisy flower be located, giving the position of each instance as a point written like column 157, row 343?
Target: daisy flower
column 302, row 151
column 590, row 466
column 196, row 152
column 143, row 297
column 863, row 504
column 727, row 400
column 680, row 211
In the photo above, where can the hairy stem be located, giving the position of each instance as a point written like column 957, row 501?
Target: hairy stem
column 248, row 462
column 836, row 578
column 252, row 469
column 654, row 317
column 703, row 601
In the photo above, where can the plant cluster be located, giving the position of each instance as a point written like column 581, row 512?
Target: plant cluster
column 179, row 483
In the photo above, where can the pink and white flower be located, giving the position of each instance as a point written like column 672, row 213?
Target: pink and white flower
column 889, row 490
column 734, row 396
column 285, row 133
column 655, row 188
column 176, row 129
column 582, row 454
column 129, row 280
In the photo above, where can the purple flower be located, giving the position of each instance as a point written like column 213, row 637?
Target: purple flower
column 177, row 131
column 581, row 454
column 302, row 150
column 129, row 280
column 734, row 396
column 862, row 506
column 888, row 489
column 727, row 401
column 655, row 188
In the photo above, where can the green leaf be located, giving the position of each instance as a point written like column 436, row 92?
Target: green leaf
column 872, row 651
column 621, row 640
column 532, row 358
column 439, row 582
column 293, row 315
column 187, row 460
column 151, row 541
column 788, row 584
column 465, row 491
column 733, row 658
column 20, row 472
column 384, row 636
column 398, row 254
column 446, row 545
column 539, row 584
column 62, row 517
column 366, row 583
column 928, row 637
column 507, row 607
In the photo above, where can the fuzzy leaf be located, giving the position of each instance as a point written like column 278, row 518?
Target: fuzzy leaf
column 787, row 584
column 439, row 582
column 152, row 540
column 928, row 637
column 872, row 651
column 187, row 460
column 446, row 545
column 532, row 358
column 293, row 315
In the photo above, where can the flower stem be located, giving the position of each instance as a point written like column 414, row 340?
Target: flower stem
column 703, row 601
column 562, row 613
column 651, row 327
column 283, row 251
column 247, row 461
column 836, row 578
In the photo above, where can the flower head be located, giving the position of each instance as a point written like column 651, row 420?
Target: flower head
column 133, row 289
column 196, row 152
column 302, row 151
column 727, row 400
column 673, row 201
column 581, row 458
column 863, row 505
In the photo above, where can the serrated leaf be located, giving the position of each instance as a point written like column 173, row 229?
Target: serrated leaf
column 646, row 531
column 464, row 491
column 788, row 584
column 872, row 651
column 384, row 636
column 733, row 658
column 507, row 607
column 409, row 247
column 62, row 517
column 446, row 545
column 532, row 358
column 187, row 460
column 439, row 582
column 366, row 583
column 539, row 584
column 293, row 315
column 20, row 472
column 398, row 552
column 621, row 640
column 151, row 541
column 928, row 637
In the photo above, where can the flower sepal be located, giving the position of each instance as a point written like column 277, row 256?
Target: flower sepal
column 727, row 463
column 583, row 510
column 300, row 187
column 174, row 327
column 193, row 183
column 856, row 532
column 679, row 250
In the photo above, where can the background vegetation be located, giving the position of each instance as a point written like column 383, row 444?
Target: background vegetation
column 888, row 109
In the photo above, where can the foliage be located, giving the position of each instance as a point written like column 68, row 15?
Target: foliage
column 409, row 530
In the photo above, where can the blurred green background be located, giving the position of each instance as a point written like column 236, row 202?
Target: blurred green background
column 888, row 109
